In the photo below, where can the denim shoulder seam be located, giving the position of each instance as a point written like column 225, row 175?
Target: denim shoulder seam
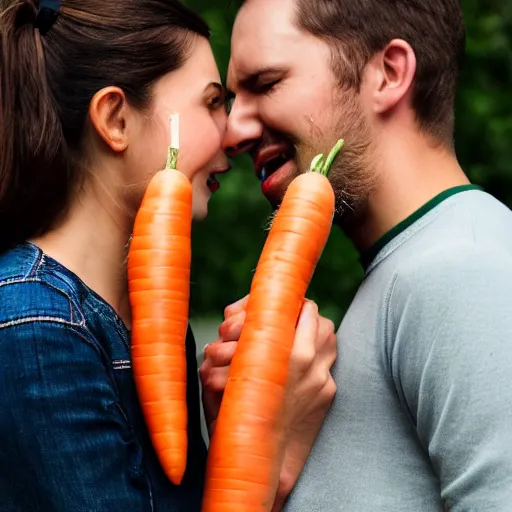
column 36, row 264
column 30, row 319
column 39, row 271
column 72, row 313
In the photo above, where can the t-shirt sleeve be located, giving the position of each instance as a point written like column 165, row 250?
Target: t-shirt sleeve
column 449, row 341
column 65, row 443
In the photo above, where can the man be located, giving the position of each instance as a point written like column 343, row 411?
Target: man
column 422, row 419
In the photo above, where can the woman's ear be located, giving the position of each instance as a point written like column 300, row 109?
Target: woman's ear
column 108, row 115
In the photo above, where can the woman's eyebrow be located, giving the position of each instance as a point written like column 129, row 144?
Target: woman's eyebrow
column 215, row 85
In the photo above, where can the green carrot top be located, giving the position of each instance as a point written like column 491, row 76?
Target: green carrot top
column 323, row 165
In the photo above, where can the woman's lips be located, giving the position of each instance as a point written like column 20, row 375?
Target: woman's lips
column 212, row 182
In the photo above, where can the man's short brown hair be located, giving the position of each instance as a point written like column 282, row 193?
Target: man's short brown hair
column 358, row 29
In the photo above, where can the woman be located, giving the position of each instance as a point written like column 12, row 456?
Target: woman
column 87, row 87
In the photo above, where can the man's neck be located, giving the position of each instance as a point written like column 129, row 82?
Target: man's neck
column 411, row 172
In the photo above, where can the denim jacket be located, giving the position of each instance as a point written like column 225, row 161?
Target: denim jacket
column 72, row 434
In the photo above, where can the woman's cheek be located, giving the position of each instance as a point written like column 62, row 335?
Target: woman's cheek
column 201, row 148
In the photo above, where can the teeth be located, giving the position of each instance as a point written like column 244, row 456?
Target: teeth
column 263, row 174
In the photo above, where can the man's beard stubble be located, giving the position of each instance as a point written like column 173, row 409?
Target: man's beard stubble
column 353, row 174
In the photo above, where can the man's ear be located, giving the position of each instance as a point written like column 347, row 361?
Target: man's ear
column 394, row 69
column 108, row 114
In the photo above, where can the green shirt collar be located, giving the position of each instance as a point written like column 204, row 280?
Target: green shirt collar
column 368, row 256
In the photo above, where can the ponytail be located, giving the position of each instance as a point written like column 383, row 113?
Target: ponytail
column 33, row 165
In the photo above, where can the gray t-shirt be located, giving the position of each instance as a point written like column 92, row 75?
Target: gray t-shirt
column 423, row 414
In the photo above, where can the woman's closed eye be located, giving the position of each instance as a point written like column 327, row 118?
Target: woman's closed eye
column 217, row 100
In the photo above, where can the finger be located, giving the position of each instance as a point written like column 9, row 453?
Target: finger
column 331, row 350
column 320, row 387
column 204, row 371
column 220, row 354
column 205, row 348
column 328, row 392
column 217, row 379
column 231, row 328
column 325, row 329
column 304, row 349
column 326, row 355
column 236, row 307
column 208, row 345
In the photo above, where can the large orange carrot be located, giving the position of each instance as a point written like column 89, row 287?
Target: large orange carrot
column 159, row 287
column 247, row 445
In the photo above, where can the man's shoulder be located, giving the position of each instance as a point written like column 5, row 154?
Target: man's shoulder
column 452, row 266
column 456, row 297
column 457, row 288
column 467, row 242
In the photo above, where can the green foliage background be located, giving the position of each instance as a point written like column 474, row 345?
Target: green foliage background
column 228, row 244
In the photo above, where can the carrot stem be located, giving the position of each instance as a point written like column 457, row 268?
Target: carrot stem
column 332, row 156
column 323, row 165
column 317, row 163
column 172, row 159
column 172, row 151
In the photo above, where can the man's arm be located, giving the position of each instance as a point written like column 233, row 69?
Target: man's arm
column 450, row 353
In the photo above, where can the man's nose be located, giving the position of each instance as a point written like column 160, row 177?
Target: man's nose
column 243, row 130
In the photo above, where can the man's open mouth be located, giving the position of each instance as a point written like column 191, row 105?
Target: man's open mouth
column 271, row 160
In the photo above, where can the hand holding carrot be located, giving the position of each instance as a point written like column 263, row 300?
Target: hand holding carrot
column 311, row 387
column 214, row 371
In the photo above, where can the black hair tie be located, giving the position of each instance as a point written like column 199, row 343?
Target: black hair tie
column 48, row 13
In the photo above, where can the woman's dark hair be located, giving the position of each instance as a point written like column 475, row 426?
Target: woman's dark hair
column 47, row 83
